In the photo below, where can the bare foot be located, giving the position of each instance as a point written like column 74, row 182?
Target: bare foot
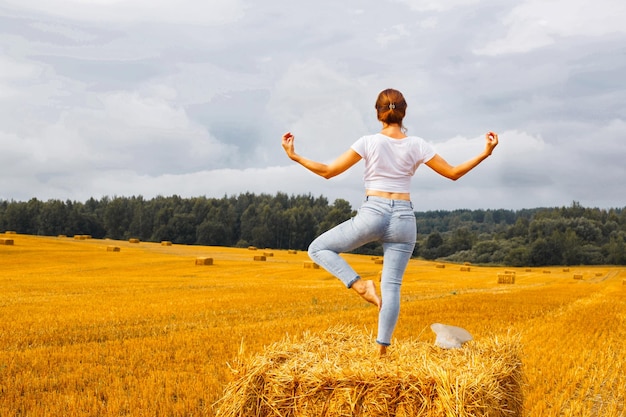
column 367, row 290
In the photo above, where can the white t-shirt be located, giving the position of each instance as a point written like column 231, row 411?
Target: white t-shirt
column 390, row 163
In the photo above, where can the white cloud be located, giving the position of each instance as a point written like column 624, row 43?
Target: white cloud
column 537, row 23
column 127, row 11
column 437, row 5
column 322, row 107
column 392, row 34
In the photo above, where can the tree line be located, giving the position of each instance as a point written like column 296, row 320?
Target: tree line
column 572, row 235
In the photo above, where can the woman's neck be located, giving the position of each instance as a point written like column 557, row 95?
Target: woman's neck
column 393, row 131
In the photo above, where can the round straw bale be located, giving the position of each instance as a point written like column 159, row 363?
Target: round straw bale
column 465, row 269
column 338, row 373
column 133, row 240
column 292, row 252
column 260, row 258
column 112, row 248
column 578, row 276
column 166, row 243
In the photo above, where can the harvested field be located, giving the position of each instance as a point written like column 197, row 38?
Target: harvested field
column 145, row 331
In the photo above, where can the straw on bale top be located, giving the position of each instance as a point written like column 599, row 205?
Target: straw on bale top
column 338, row 373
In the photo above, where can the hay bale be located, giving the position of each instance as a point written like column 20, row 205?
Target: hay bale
column 252, row 248
column 7, row 242
column 528, row 270
column 378, row 261
column 166, row 243
column 565, row 269
column 506, row 278
column 336, row 373
column 133, row 240
column 268, row 254
column 80, row 237
column 578, row 276
column 62, row 236
column 465, row 269
column 260, row 258
column 599, row 274
column 546, row 271
column 311, row 265
column 467, row 263
column 442, row 266
column 292, row 252
column 204, row 261
column 112, row 248
column 10, row 232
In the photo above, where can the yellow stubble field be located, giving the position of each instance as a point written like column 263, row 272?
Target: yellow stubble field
column 144, row 331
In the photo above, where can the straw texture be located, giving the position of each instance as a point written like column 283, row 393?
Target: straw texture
column 338, row 373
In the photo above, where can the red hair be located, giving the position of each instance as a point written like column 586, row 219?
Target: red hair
column 391, row 107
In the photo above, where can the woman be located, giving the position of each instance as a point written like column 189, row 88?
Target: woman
column 391, row 158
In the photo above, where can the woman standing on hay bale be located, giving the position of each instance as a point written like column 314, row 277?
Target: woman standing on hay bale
column 391, row 158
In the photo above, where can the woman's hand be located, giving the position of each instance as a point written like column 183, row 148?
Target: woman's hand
column 492, row 142
column 288, row 146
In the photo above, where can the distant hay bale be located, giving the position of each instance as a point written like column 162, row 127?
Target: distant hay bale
column 578, row 276
column 467, row 263
column 506, row 278
column 10, row 232
column 252, row 247
column 7, row 242
column 506, row 271
column 133, row 240
column 112, row 248
column 546, row 271
column 81, row 237
column 565, row 269
column 337, row 373
column 378, row 261
column 260, row 258
column 465, row 269
column 166, row 243
column 311, row 265
column 62, row 236
column 268, row 254
column 440, row 266
column 599, row 274
column 528, row 270
column 204, row 261
column 292, row 252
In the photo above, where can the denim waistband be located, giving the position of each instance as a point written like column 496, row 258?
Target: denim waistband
column 390, row 202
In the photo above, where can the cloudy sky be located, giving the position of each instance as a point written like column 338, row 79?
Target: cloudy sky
column 190, row 97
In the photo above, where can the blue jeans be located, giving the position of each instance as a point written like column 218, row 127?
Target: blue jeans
column 379, row 219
